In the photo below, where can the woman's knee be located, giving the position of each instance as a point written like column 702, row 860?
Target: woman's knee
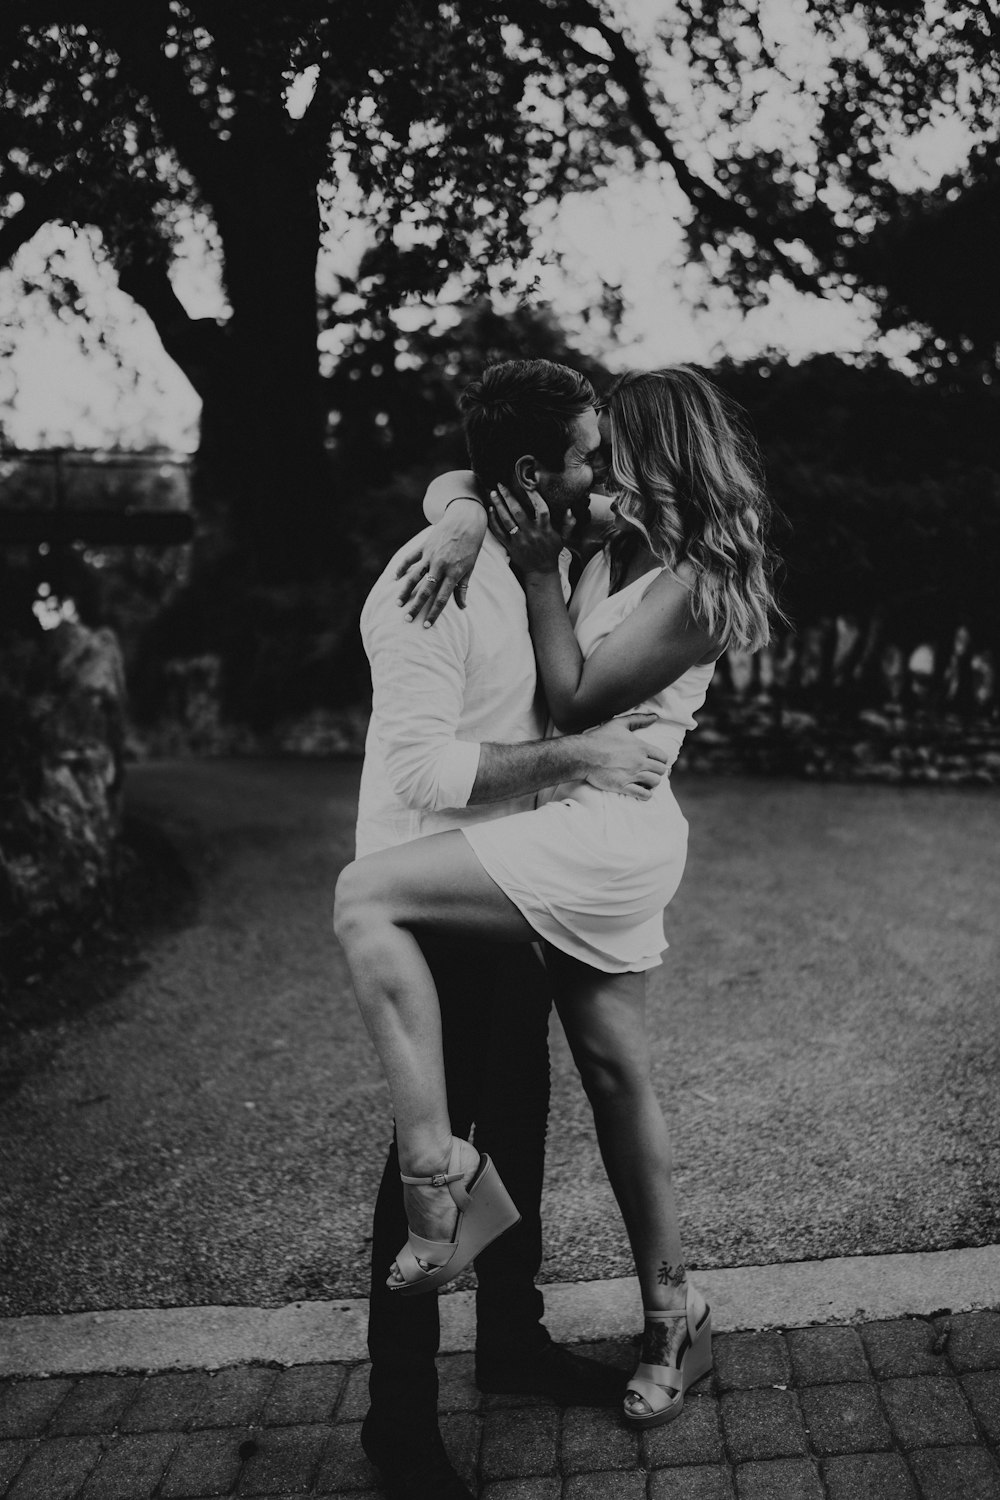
column 355, row 902
column 611, row 1073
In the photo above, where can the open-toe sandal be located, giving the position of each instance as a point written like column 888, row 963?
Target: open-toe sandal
column 662, row 1387
column 485, row 1211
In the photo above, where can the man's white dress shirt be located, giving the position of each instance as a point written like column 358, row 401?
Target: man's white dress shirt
column 436, row 695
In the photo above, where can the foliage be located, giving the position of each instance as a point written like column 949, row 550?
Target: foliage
column 937, row 260
column 393, row 395
column 434, row 123
column 431, row 113
column 890, row 489
column 887, row 488
column 438, row 123
column 867, row 77
column 440, row 119
column 888, row 493
column 61, row 743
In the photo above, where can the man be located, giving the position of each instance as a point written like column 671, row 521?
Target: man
column 456, row 734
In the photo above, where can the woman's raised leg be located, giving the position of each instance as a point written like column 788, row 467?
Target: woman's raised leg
column 431, row 884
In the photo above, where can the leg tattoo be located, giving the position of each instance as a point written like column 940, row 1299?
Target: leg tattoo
column 661, row 1337
column 656, row 1343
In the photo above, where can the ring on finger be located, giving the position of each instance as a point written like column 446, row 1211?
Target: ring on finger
column 429, row 579
column 513, row 531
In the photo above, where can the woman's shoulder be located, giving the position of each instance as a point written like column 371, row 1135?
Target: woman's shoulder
column 682, row 574
column 670, row 596
column 667, row 582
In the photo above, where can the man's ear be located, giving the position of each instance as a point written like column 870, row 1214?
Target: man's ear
column 526, row 473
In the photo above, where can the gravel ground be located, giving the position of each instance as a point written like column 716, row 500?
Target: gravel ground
column 208, row 1126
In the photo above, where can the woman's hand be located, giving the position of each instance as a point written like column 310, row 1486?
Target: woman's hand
column 441, row 563
column 531, row 542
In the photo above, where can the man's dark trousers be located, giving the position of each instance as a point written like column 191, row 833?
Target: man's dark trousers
column 495, row 1005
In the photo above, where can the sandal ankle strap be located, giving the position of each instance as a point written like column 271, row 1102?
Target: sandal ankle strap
column 440, row 1179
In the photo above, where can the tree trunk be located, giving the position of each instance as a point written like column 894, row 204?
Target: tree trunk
column 262, row 447
column 261, row 480
column 267, row 593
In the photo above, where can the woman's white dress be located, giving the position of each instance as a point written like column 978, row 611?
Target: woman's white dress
column 592, row 871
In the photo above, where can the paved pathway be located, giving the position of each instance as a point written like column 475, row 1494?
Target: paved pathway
column 907, row 1409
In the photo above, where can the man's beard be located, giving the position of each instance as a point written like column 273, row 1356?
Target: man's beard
column 568, row 512
column 575, row 521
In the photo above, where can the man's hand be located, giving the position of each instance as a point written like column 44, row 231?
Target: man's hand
column 623, row 762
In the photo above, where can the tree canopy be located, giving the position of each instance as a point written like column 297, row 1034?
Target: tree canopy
column 434, row 123
column 868, row 82
column 439, row 122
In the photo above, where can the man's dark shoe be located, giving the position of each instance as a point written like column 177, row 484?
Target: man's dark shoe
column 566, row 1378
column 412, row 1468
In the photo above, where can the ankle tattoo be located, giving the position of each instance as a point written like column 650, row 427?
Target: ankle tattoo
column 669, row 1275
column 656, row 1343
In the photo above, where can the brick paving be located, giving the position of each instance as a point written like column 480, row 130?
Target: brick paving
column 902, row 1410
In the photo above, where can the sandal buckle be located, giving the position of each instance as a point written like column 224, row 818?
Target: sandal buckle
column 440, row 1179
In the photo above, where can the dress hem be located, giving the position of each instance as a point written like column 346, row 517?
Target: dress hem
column 531, row 906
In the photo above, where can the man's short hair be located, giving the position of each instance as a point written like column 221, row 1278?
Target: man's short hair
column 522, row 406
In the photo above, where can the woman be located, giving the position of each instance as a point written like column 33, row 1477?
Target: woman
column 684, row 574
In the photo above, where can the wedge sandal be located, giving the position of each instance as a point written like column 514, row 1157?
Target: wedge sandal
column 485, row 1211
column 662, row 1387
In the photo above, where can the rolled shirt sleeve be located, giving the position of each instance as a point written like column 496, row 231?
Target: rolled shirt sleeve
column 418, row 689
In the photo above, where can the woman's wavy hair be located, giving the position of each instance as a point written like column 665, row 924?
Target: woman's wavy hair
column 686, row 474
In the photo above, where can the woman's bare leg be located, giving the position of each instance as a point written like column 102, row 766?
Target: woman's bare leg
column 438, row 884
column 604, row 1017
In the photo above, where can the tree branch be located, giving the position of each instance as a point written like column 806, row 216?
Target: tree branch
column 627, row 72
column 198, row 345
column 315, row 128
column 137, row 34
column 992, row 21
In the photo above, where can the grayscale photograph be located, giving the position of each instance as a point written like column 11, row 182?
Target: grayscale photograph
column 500, row 750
